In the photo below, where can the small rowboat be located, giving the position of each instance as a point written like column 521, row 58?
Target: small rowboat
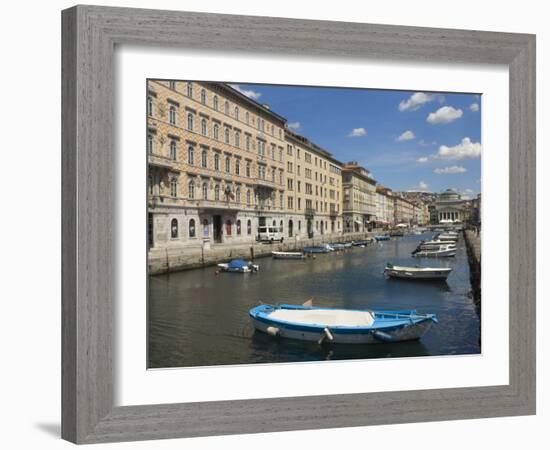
column 287, row 255
column 239, row 266
column 417, row 273
column 340, row 326
column 382, row 237
column 340, row 245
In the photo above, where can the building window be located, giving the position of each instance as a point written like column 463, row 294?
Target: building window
column 216, row 162
column 215, row 102
column 247, row 142
column 226, row 107
column 238, row 195
column 150, row 106
column 205, row 191
column 150, row 145
column 281, row 201
column 248, row 169
column 247, row 118
column 191, row 190
column 204, row 127
column 174, row 228
column 237, row 112
column 217, row 192
column 203, row 97
column 227, row 135
column 190, row 122
column 227, row 164
column 172, row 85
column 205, row 227
column 173, row 151
column 249, row 227
column 191, row 156
column 172, row 114
column 189, row 89
column 237, row 167
column 150, row 178
column 237, row 139
column 204, row 159
column 216, row 131
column 258, row 123
column 192, row 228
column 228, row 227
column 174, row 187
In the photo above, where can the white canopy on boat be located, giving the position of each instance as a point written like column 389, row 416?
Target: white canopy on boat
column 327, row 317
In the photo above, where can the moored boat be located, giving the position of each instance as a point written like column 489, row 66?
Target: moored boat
column 382, row 237
column 319, row 249
column 417, row 273
column 340, row 326
column 288, row 255
column 239, row 266
column 442, row 250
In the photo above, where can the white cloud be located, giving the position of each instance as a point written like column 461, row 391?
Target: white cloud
column 422, row 186
column 294, row 126
column 357, row 132
column 467, row 194
column 415, row 101
column 445, row 114
column 422, row 159
column 248, row 92
column 406, row 136
column 465, row 150
column 450, row 169
column 474, row 107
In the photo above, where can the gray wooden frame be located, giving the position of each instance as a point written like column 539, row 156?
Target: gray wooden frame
column 89, row 37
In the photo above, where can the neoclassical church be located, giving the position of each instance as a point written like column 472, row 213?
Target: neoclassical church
column 450, row 207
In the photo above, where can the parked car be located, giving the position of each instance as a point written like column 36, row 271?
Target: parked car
column 270, row 234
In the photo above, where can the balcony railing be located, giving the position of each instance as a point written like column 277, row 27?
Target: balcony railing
column 266, row 183
column 310, row 212
column 162, row 161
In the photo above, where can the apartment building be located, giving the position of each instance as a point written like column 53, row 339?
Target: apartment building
column 313, row 188
column 384, row 206
column 359, row 205
column 216, row 165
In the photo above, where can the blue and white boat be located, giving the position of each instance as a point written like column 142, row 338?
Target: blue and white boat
column 382, row 237
column 340, row 326
column 239, row 266
column 320, row 249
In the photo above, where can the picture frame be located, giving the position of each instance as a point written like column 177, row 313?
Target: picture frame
column 89, row 37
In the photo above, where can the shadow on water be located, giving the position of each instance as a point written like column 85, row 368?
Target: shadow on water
column 198, row 318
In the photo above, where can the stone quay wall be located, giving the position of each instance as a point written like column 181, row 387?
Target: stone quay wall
column 473, row 246
column 165, row 260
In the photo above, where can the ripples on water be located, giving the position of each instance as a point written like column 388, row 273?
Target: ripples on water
column 198, row 318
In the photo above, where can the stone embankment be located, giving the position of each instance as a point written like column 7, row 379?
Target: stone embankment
column 473, row 246
column 175, row 259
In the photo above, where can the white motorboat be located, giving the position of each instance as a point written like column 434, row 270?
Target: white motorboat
column 239, row 266
column 417, row 273
column 288, row 255
column 442, row 250
column 448, row 236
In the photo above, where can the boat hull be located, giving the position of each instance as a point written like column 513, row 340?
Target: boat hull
column 424, row 275
column 436, row 253
column 287, row 255
column 405, row 330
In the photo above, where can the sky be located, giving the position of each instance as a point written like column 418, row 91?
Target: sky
column 408, row 140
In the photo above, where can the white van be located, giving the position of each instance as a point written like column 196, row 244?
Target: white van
column 270, row 234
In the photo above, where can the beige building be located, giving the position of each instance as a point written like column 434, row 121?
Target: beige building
column 359, row 203
column 384, row 206
column 403, row 210
column 421, row 213
column 216, row 165
column 450, row 207
column 313, row 188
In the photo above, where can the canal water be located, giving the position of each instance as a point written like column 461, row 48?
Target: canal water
column 198, row 318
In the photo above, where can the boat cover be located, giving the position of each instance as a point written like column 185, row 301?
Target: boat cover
column 237, row 264
column 328, row 317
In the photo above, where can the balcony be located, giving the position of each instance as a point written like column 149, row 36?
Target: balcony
column 266, row 183
column 333, row 213
column 310, row 212
column 162, row 161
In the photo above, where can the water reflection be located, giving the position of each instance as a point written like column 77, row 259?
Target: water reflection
column 198, row 318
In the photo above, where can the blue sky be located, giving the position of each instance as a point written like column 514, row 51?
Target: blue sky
column 407, row 139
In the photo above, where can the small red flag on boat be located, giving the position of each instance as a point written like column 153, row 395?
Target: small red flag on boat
column 308, row 302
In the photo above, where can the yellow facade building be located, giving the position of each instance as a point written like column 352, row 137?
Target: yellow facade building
column 359, row 203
